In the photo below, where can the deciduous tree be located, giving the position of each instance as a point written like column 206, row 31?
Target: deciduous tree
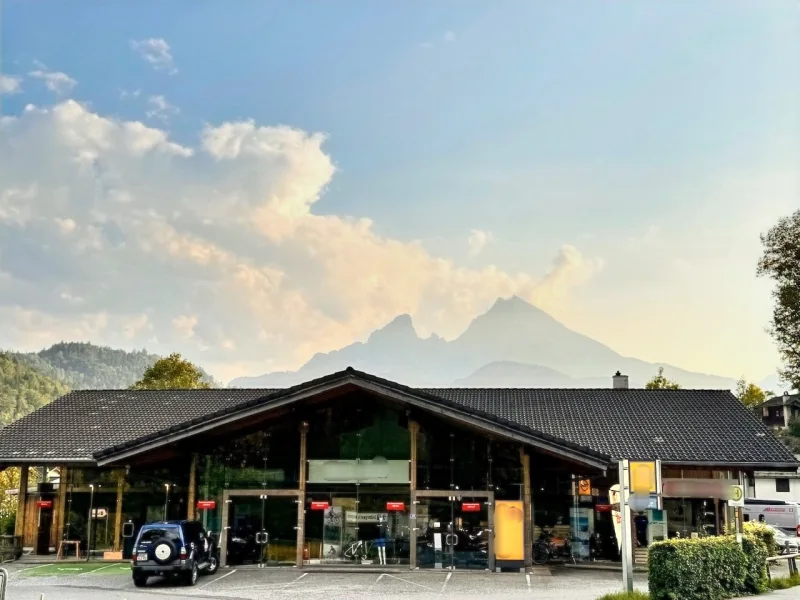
column 781, row 263
column 173, row 372
column 749, row 394
column 659, row 382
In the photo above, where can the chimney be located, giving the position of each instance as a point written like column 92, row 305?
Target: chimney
column 620, row 381
column 786, row 409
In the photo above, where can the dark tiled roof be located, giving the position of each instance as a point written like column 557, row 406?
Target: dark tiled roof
column 778, row 400
column 693, row 426
column 81, row 423
column 671, row 425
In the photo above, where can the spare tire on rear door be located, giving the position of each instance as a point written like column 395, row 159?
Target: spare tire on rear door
column 164, row 551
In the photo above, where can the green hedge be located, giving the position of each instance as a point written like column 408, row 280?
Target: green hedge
column 763, row 532
column 710, row 568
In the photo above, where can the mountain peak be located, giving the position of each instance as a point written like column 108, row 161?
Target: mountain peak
column 513, row 305
column 400, row 326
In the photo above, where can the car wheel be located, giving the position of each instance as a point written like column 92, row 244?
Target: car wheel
column 139, row 580
column 191, row 576
column 213, row 565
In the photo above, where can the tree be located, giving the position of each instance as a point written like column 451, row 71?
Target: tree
column 659, row 382
column 170, row 373
column 781, row 263
column 749, row 394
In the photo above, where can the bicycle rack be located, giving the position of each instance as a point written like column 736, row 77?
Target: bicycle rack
column 3, row 582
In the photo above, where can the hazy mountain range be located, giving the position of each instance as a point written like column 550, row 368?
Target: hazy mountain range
column 514, row 344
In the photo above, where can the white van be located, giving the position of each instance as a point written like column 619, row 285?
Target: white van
column 783, row 514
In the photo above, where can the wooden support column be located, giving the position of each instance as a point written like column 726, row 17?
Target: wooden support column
column 527, row 511
column 59, row 516
column 301, row 499
column 22, row 501
column 224, row 533
column 118, row 512
column 191, row 499
column 413, row 430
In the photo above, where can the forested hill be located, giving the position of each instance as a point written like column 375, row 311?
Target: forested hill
column 24, row 389
column 82, row 365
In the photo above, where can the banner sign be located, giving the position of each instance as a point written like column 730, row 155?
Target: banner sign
column 319, row 505
column 395, row 506
column 206, row 504
column 44, row 504
column 470, row 507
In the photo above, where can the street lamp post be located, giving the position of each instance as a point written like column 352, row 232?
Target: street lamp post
column 166, row 500
column 89, row 527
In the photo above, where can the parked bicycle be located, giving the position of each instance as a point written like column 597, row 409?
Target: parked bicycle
column 358, row 550
column 548, row 547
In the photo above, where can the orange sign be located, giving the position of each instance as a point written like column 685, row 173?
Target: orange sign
column 584, row 487
column 509, row 529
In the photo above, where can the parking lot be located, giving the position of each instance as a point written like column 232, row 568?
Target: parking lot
column 113, row 582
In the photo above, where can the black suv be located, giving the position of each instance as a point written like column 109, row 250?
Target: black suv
column 179, row 548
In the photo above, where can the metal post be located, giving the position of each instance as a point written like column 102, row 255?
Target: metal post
column 625, row 511
column 91, row 519
column 166, row 501
column 413, row 429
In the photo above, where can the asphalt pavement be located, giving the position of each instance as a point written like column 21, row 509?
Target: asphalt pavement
column 250, row 583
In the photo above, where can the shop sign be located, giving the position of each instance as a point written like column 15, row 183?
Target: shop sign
column 602, row 507
column 206, row 504
column 395, row 506
column 44, row 504
column 319, row 505
column 99, row 513
column 470, row 507
column 584, row 488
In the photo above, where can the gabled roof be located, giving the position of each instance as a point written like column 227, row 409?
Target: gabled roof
column 593, row 426
column 794, row 399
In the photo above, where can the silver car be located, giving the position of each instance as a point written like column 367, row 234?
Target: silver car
column 787, row 544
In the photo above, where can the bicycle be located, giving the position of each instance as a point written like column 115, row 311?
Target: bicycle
column 358, row 550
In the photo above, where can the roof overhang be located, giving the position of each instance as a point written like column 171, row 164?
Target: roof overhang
column 350, row 378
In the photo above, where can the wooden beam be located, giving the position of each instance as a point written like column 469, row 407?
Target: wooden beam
column 118, row 512
column 301, row 501
column 61, row 505
column 22, row 501
column 527, row 512
column 191, row 496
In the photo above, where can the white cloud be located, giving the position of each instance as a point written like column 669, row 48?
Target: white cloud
column 155, row 52
column 477, row 241
column 129, row 93
column 160, row 108
column 55, row 81
column 10, row 84
column 217, row 249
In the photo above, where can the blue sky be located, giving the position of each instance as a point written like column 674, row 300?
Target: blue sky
column 658, row 138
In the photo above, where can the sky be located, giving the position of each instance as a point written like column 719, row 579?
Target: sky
column 250, row 183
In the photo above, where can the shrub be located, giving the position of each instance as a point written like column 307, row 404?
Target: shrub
column 763, row 532
column 756, row 553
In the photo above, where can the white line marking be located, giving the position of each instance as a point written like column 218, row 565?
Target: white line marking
column 411, row 582
column 32, row 568
column 374, row 583
column 296, row 580
column 100, row 568
column 528, row 577
column 444, row 585
column 218, row 578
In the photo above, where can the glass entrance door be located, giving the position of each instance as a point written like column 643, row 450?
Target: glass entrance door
column 262, row 530
column 453, row 533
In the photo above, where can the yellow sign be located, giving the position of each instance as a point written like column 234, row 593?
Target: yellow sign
column 584, row 487
column 643, row 477
column 509, row 528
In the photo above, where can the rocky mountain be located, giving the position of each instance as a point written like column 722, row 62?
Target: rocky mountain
column 513, row 344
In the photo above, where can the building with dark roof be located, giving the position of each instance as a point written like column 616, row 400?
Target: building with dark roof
column 428, row 477
column 779, row 410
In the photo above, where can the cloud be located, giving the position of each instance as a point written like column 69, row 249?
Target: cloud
column 157, row 53
column 10, row 84
column 160, row 108
column 477, row 240
column 129, row 94
column 55, row 81
column 214, row 251
column 449, row 36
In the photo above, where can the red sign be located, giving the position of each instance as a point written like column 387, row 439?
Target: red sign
column 602, row 507
column 206, row 504
column 470, row 507
column 395, row 506
column 44, row 504
column 319, row 505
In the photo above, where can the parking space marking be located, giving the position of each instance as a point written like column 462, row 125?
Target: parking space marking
column 374, row 583
column 100, row 568
column 444, row 585
column 296, row 580
column 528, row 578
column 218, row 578
column 32, row 568
column 411, row 582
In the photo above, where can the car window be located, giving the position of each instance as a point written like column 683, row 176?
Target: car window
column 157, row 533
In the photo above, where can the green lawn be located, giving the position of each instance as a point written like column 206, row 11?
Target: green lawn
column 76, row 568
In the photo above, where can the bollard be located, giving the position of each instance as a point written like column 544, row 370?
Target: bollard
column 4, row 576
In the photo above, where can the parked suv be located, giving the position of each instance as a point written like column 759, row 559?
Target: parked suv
column 173, row 548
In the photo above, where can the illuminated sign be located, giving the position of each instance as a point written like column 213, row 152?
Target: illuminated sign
column 470, row 507
column 319, row 506
column 395, row 506
column 206, row 504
